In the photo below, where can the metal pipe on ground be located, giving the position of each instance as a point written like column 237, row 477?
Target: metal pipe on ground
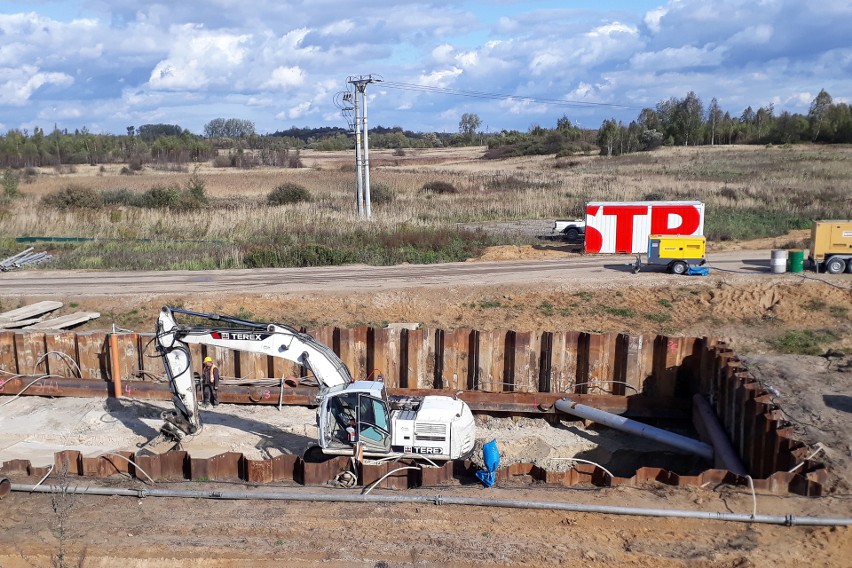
column 707, row 424
column 337, row 497
column 684, row 443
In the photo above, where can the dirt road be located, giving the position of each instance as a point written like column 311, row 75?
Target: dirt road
column 609, row 269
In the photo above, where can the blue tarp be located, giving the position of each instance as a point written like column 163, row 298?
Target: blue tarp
column 491, row 459
column 698, row 270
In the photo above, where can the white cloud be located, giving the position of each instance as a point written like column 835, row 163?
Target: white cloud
column 679, row 58
column 299, row 111
column 283, row 77
column 439, row 78
column 18, row 85
column 199, row 59
column 653, row 18
column 760, row 34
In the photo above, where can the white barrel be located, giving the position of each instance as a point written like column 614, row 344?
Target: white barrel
column 778, row 262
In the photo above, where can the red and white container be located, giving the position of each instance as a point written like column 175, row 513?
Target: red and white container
column 624, row 226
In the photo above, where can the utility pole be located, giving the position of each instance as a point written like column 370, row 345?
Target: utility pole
column 362, row 146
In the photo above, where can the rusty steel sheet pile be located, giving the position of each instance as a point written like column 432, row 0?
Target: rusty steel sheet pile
column 497, row 371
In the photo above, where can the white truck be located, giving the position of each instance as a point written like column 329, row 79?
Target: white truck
column 350, row 414
column 572, row 230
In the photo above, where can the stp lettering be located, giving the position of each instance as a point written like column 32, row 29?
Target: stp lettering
column 625, row 227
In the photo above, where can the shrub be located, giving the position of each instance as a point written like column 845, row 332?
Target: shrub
column 288, row 193
column 74, row 196
column 122, row 196
column 135, row 165
column 399, row 152
column 440, row 187
column 222, row 162
column 729, row 192
column 195, row 187
column 159, row 197
column 381, row 194
column 10, row 184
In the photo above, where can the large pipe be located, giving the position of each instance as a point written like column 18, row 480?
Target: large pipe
column 5, row 487
column 696, row 447
column 338, row 497
column 705, row 421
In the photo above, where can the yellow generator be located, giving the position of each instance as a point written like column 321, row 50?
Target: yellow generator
column 678, row 253
column 831, row 246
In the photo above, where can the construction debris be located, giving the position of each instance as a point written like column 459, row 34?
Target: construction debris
column 25, row 258
column 65, row 321
column 27, row 315
column 32, row 317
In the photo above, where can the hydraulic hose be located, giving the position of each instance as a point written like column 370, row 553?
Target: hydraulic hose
column 785, row 520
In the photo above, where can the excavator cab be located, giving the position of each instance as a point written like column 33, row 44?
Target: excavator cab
column 358, row 414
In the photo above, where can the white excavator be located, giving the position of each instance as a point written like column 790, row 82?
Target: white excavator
column 352, row 416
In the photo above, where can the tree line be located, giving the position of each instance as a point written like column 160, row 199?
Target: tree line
column 686, row 122
column 672, row 122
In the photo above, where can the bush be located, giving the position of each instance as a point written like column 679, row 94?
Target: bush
column 122, row 196
column 381, row 194
column 222, row 162
column 159, row 197
column 10, row 184
column 288, row 193
column 74, row 196
column 440, row 187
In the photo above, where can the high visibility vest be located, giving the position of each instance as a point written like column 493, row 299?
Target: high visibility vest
column 208, row 374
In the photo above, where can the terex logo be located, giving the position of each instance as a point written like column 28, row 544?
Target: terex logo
column 625, row 227
column 239, row 336
column 416, row 450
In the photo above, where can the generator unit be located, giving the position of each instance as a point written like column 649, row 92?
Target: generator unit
column 678, row 253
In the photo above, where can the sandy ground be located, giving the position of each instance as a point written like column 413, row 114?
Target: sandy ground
column 813, row 390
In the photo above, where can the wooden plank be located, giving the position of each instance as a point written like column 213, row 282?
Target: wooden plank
column 68, row 320
column 30, row 311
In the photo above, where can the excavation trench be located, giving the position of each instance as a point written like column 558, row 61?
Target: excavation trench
column 512, row 381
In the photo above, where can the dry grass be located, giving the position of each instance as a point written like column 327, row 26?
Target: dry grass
column 756, row 187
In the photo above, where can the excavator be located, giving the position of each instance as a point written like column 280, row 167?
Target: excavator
column 352, row 416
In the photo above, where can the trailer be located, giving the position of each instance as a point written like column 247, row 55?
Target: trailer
column 623, row 227
column 831, row 246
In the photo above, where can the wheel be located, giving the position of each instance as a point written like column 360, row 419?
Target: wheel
column 679, row 267
column 835, row 265
column 572, row 234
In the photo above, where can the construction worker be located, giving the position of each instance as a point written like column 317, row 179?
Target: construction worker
column 210, row 382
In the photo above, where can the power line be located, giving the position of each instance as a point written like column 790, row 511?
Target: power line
column 499, row 96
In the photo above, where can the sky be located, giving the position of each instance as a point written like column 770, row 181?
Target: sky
column 109, row 64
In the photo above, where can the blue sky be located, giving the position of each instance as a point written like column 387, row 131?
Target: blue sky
column 109, row 64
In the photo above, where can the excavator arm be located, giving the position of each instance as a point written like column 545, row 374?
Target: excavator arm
column 173, row 340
